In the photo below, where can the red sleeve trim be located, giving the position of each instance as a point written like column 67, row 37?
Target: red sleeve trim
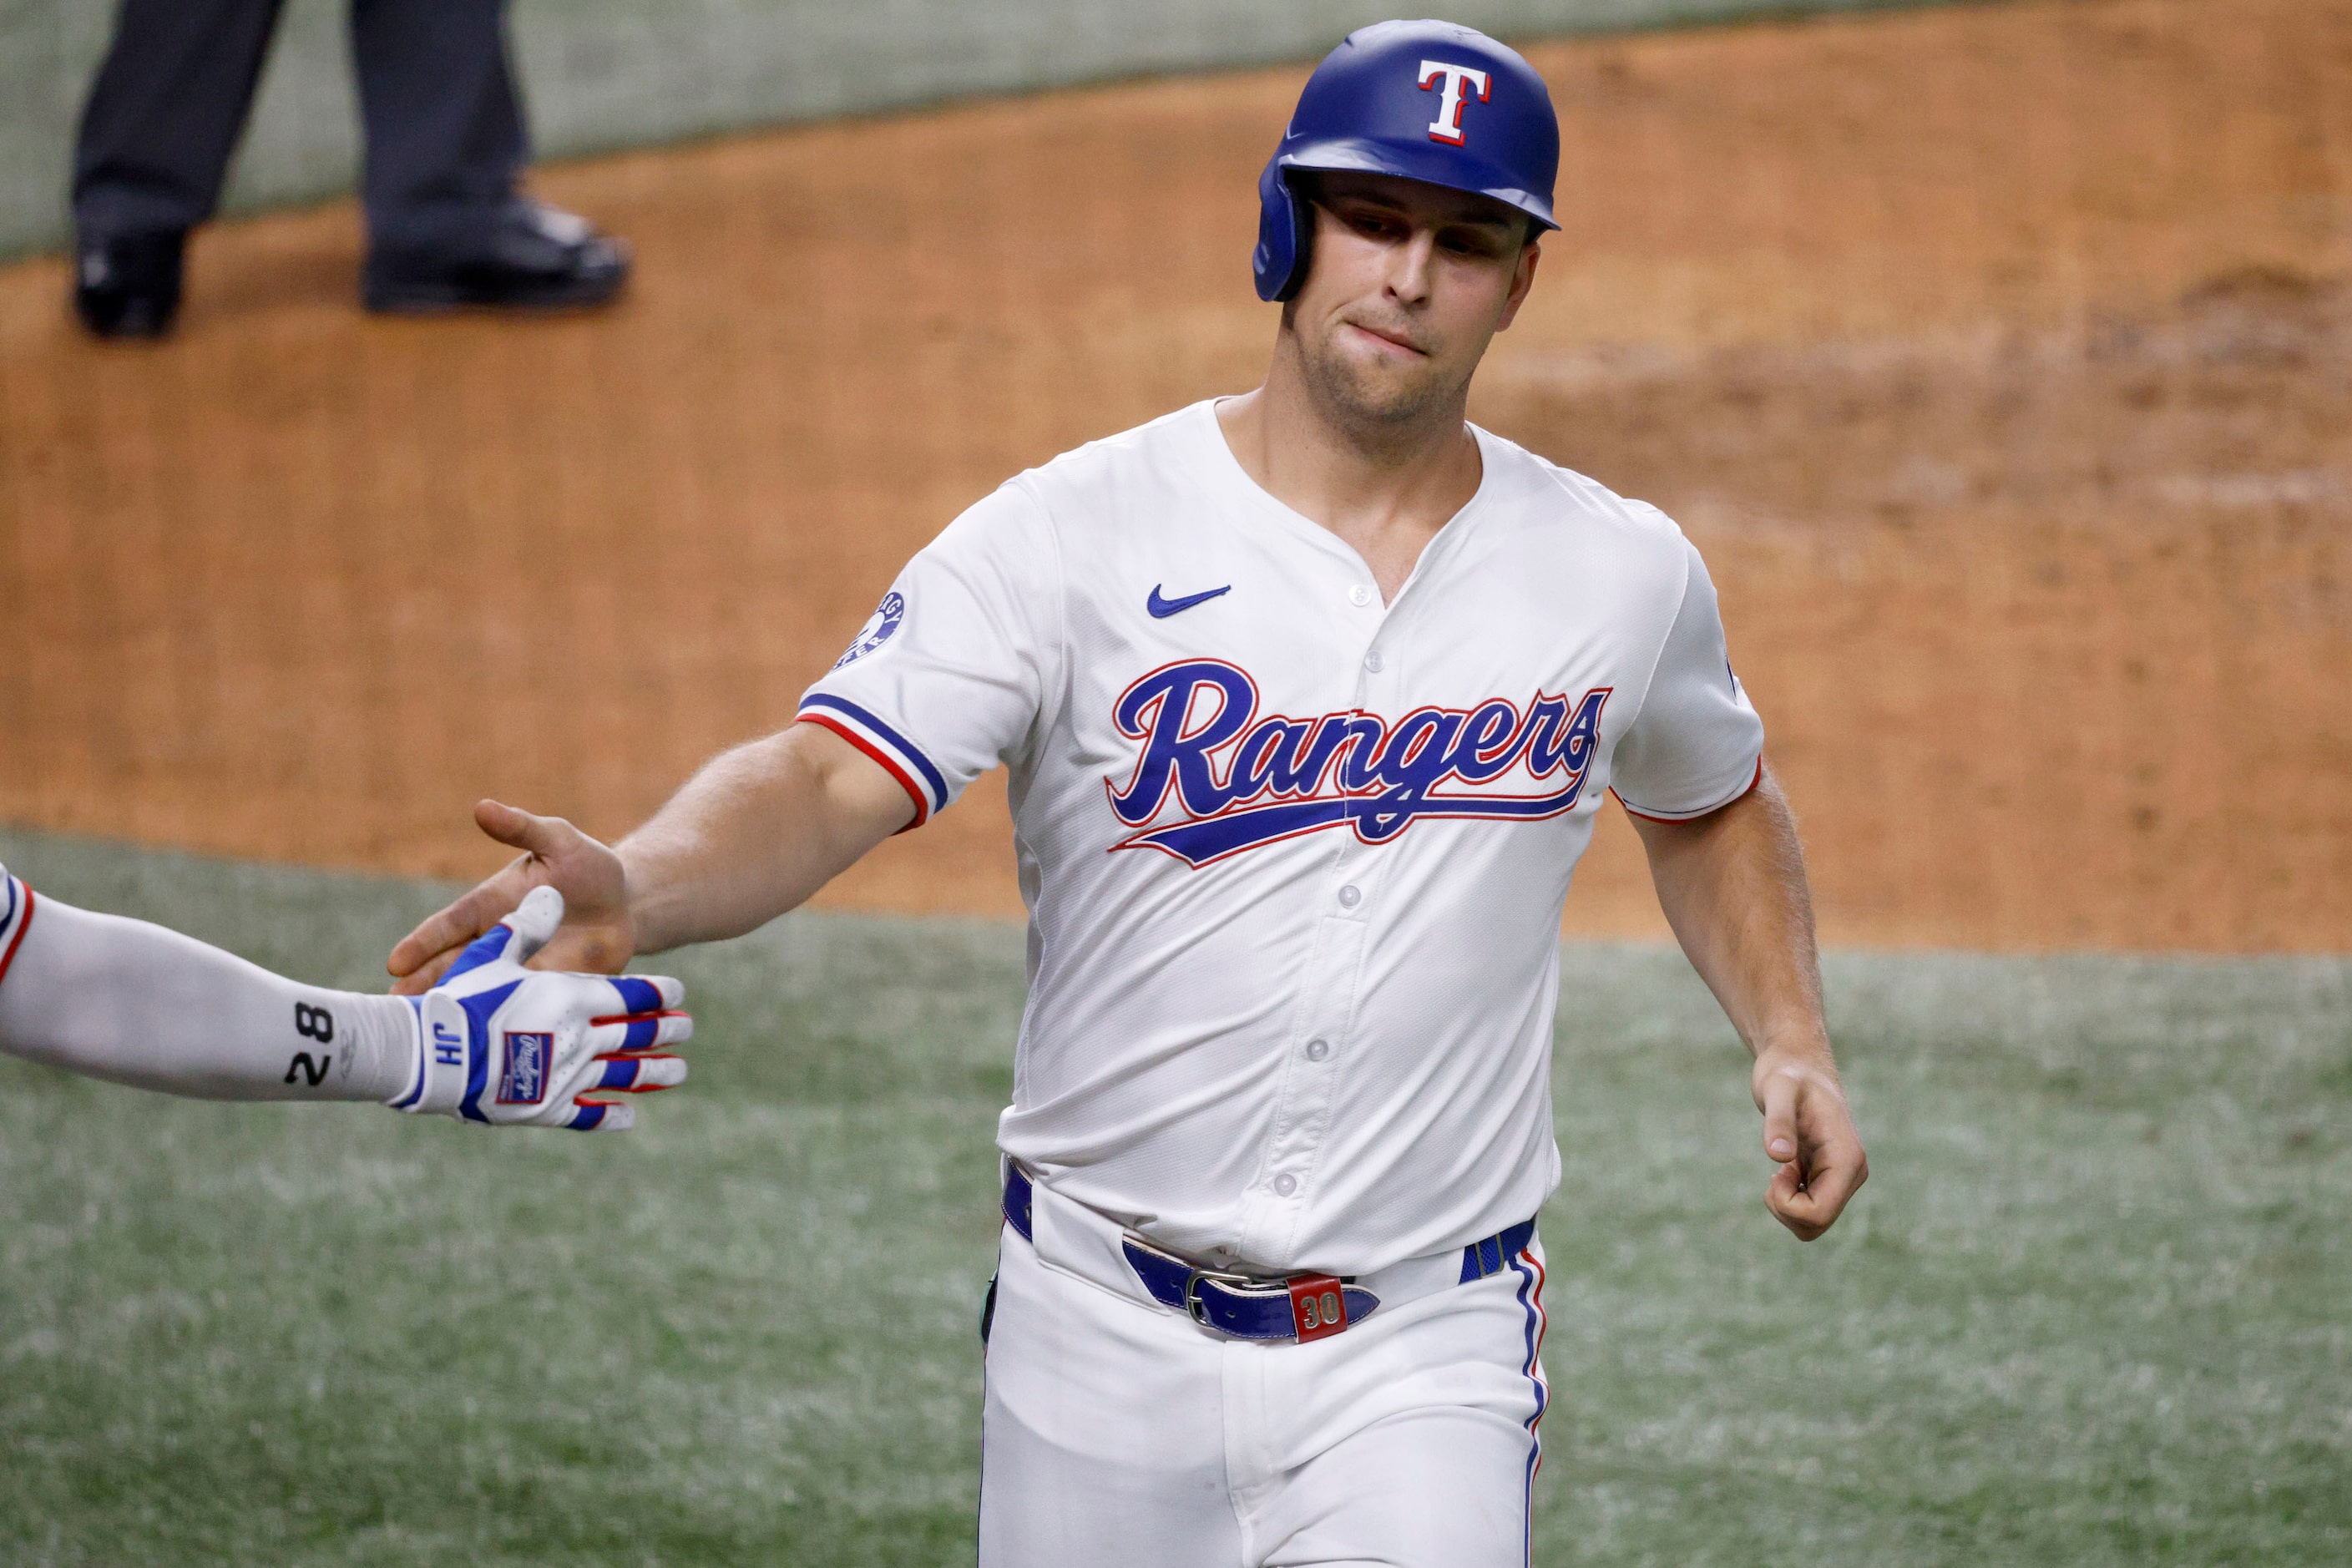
column 17, row 940
column 1744, row 791
column 922, row 803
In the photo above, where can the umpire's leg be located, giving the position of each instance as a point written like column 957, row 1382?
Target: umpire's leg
column 444, row 136
column 445, row 150
column 164, row 114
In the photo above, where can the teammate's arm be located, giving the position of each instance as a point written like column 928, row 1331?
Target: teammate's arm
column 136, row 1003
column 753, row 834
column 1732, row 884
column 139, row 1005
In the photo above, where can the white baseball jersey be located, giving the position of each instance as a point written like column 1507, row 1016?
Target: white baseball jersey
column 1295, row 859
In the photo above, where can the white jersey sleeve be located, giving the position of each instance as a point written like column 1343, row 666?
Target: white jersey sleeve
column 1697, row 745
column 133, row 1003
column 954, row 671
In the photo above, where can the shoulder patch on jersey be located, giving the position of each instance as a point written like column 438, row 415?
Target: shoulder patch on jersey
column 878, row 628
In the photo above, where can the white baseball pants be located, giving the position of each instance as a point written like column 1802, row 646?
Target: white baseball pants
column 1120, row 1434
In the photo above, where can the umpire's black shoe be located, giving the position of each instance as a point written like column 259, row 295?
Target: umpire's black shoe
column 129, row 287
column 533, row 258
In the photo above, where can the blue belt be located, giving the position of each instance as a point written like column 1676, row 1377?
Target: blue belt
column 1244, row 1308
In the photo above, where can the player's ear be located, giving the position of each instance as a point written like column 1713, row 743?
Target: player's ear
column 1524, row 278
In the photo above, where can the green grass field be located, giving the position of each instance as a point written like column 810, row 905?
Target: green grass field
column 2095, row 1305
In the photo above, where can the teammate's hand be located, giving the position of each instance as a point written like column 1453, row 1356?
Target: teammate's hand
column 597, row 936
column 500, row 1044
column 1808, row 1131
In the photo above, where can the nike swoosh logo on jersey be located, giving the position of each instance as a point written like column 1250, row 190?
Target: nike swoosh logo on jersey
column 1162, row 608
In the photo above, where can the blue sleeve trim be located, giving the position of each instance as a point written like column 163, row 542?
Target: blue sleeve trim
column 1755, row 777
column 18, row 922
column 905, row 748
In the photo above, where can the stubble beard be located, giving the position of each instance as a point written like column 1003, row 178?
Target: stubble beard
column 1378, row 411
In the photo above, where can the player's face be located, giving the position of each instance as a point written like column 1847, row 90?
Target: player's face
column 1407, row 284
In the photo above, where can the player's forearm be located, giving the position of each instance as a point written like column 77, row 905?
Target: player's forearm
column 1733, row 888
column 756, row 833
column 124, row 1000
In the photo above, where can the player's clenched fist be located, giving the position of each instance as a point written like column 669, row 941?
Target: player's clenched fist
column 1809, row 1131
column 501, row 1044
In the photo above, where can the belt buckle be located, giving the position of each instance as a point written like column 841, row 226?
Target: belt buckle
column 1192, row 1306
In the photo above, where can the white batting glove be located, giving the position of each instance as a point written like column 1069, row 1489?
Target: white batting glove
column 511, row 1046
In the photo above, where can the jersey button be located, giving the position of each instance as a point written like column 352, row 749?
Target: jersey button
column 1317, row 1050
column 1373, row 662
column 1350, row 896
column 1285, row 1185
column 1359, row 595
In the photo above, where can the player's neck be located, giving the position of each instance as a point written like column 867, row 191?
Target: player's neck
column 1385, row 492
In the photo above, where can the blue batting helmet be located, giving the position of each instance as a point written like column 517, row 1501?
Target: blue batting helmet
column 1429, row 100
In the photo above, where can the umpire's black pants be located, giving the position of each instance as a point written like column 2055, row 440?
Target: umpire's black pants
column 445, row 138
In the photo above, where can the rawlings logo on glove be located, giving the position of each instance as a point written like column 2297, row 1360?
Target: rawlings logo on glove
column 511, row 1046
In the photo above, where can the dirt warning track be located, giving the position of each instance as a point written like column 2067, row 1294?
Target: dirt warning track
column 2000, row 359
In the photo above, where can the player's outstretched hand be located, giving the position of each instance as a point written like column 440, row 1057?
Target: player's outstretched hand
column 597, row 937
column 1808, row 1131
column 507, row 1046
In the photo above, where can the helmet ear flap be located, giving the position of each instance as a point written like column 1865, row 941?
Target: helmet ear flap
column 1284, row 226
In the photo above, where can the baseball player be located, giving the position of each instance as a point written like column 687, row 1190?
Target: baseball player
column 493, row 1043
column 1310, row 698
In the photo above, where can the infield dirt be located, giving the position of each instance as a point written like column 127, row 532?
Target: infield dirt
column 2001, row 361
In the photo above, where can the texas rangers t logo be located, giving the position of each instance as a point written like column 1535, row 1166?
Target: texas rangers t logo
column 1241, row 781
column 1447, row 126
